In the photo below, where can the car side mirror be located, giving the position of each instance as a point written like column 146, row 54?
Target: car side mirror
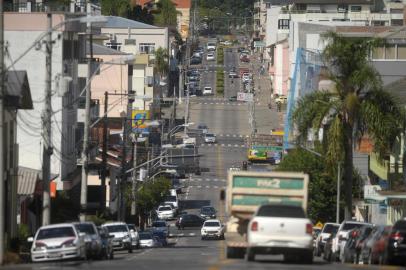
column 30, row 239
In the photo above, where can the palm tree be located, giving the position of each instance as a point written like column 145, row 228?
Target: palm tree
column 358, row 105
column 161, row 64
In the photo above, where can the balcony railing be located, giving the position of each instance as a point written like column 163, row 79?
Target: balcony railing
column 50, row 7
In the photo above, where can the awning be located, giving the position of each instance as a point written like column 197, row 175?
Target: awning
column 28, row 179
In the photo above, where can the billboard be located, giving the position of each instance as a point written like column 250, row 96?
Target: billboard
column 139, row 121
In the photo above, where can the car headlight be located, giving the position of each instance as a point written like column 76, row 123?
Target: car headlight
column 127, row 238
column 69, row 243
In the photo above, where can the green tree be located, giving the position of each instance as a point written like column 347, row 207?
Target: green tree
column 137, row 13
column 358, row 105
column 115, row 7
column 322, row 186
column 166, row 14
column 161, row 64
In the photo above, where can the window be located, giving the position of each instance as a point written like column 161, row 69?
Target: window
column 147, row 48
column 356, row 8
column 378, row 53
column 114, row 45
column 390, row 52
column 342, row 8
column 283, row 24
column 401, row 51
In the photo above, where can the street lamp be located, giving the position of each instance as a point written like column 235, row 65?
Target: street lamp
column 177, row 127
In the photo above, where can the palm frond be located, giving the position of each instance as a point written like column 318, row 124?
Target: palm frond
column 335, row 140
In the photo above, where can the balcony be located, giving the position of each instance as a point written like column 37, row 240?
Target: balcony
column 50, row 7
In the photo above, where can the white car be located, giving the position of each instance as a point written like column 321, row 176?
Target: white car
column 147, row 240
column 280, row 229
column 209, row 138
column 211, row 46
column 57, row 242
column 212, row 228
column 122, row 235
column 342, row 236
column 207, row 90
column 246, row 77
column 325, row 233
column 135, row 239
column 210, row 57
column 165, row 212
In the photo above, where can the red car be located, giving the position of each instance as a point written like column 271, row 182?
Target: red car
column 379, row 246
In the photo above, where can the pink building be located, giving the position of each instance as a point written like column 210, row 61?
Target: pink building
column 279, row 69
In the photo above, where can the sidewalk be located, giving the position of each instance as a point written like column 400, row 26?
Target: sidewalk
column 266, row 119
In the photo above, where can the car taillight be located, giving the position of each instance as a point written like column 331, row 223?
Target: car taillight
column 396, row 236
column 309, row 228
column 254, row 226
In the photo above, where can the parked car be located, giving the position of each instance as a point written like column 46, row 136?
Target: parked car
column 369, row 242
column 92, row 238
column 211, row 46
column 122, row 236
column 208, row 212
column 203, row 128
column 165, row 212
column 207, row 90
column 232, row 74
column 325, row 233
column 135, row 239
column 265, row 236
column 342, row 235
column 379, row 247
column 212, row 228
column 160, row 225
column 209, row 138
column 57, row 242
column 107, row 243
column 189, row 220
column 327, row 251
column 172, row 200
column 195, row 60
column 161, row 237
column 396, row 250
column 233, row 98
column 147, row 240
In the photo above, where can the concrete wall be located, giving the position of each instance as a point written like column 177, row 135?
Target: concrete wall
column 113, row 79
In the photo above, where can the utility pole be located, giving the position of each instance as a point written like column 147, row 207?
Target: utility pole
column 46, row 122
column 134, row 176
column 121, row 214
column 104, row 157
column 85, row 150
column 2, row 77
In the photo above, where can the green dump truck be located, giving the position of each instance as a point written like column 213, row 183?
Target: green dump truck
column 246, row 190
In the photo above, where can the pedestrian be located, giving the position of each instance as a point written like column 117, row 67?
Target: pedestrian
column 278, row 106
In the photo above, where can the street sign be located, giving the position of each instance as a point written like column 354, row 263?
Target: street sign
column 319, row 225
column 241, row 96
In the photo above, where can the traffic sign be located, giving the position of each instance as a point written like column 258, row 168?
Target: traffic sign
column 319, row 225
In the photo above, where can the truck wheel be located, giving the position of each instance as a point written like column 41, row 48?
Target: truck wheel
column 230, row 253
column 308, row 257
column 250, row 255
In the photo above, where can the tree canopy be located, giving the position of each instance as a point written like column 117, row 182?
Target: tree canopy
column 356, row 106
column 166, row 14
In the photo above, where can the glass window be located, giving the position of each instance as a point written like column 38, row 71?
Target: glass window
column 114, row 45
column 147, row 48
column 287, row 211
column 55, row 233
column 356, row 8
column 402, row 51
column 390, row 52
column 378, row 53
column 283, row 24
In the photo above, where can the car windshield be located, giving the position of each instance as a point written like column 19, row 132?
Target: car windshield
column 207, row 210
column 212, row 224
column 170, row 199
column 145, row 236
column 159, row 224
column 287, row 211
column 209, row 135
column 85, row 228
column 116, row 228
column 329, row 228
column 164, row 208
column 201, row 126
column 55, row 233
column 350, row 226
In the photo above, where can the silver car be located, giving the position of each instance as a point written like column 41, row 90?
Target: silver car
column 93, row 240
column 135, row 239
column 57, row 242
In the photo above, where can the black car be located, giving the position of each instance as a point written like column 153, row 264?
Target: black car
column 396, row 246
column 233, row 98
column 192, row 72
column 162, row 237
column 189, row 220
column 195, row 60
column 207, row 212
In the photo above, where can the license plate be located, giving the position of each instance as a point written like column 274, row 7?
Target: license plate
column 54, row 255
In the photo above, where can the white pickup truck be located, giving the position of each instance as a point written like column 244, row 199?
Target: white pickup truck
column 280, row 229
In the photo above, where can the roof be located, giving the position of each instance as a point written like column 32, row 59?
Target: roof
column 182, row 3
column 120, row 22
column 326, row 2
column 18, row 93
column 27, row 180
column 103, row 50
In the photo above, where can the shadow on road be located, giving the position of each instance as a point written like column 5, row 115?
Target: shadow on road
column 193, row 204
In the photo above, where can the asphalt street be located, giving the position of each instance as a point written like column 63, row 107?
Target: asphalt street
column 186, row 249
